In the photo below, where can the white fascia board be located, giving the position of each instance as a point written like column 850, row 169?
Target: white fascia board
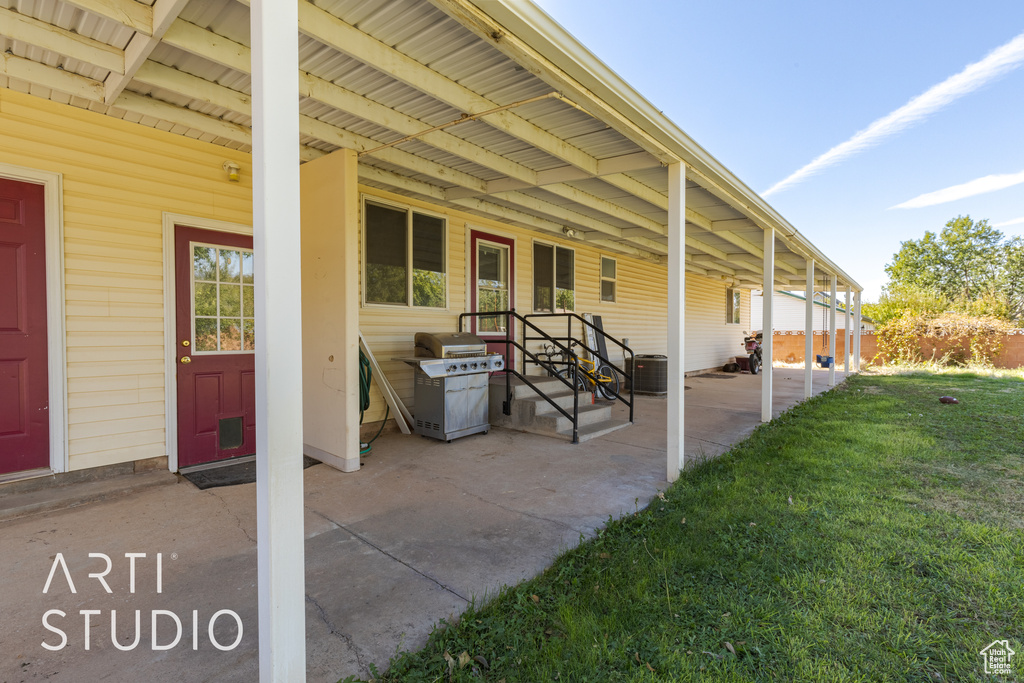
column 542, row 33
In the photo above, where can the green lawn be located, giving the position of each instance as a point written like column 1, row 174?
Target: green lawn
column 869, row 534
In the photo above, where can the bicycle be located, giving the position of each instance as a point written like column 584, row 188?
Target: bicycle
column 602, row 380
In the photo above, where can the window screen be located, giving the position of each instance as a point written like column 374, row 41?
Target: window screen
column 386, row 279
column 608, row 268
column 428, row 272
column 565, row 294
column 543, row 277
column 405, row 257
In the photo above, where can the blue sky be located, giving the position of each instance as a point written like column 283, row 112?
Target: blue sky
column 768, row 87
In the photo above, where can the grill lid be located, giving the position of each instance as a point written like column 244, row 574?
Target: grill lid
column 448, row 344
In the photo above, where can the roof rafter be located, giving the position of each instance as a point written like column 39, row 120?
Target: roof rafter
column 141, row 46
column 488, row 29
column 128, row 13
column 49, row 37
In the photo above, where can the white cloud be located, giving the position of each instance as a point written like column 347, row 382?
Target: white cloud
column 1013, row 221
column 998, row 62
column 989, row 183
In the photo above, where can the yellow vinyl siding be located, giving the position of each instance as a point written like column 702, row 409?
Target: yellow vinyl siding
column 638, row 313
column 119, row 179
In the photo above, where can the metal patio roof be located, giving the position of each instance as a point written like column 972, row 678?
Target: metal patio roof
column 485, row 106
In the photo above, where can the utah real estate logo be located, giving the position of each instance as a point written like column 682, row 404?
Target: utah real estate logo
column 997, row 657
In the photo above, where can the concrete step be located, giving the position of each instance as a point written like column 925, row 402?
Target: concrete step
column 554, row 422
column 532, row 413
column 16, row 502
column 549, row 385
column 592, row 431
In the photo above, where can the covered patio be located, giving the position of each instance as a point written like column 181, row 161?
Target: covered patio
column 420, row 530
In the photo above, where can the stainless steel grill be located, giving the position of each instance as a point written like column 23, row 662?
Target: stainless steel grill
column 451, row 384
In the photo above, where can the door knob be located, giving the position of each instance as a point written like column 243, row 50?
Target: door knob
column 186, row 360
column 185, row 342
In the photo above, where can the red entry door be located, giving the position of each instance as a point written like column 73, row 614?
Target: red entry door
column 492, row 268
column 24, row 375
column 214, row 345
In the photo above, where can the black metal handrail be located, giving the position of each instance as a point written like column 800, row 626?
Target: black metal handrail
column 510, row 370
column 572, row 341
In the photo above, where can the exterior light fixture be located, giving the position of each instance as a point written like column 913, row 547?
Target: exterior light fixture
column 569, row 232
column 232, row 169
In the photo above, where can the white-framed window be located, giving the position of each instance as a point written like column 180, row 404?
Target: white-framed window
column 223, row 301
column 403, row 256
column 732, row 306
column 608, row 274
column 554, row 278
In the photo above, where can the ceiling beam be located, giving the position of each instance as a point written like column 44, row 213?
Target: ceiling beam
column 51, row 77
column 25, row 29
column 209, row 45
column 196, row 42
column 128, row 13
column 512, row 46
column 558, row 211
column 141, row 46
column 335, row 33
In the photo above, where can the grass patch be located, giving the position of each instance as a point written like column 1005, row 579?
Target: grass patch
column 869, row 534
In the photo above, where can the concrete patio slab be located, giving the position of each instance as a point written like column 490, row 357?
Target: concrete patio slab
column 423, row 528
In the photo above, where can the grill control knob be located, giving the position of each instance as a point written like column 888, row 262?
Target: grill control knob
column 463, row 366
column 498, row 363
column 473, row 366
column 453, row 368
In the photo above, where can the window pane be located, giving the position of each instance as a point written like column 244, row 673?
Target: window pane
column 204, row 263
column 248, row 303
column 491, row 265
column 607, row 290
column 565, row 296
column 608, row 268
column 231, row 335
column 206, row 334
column 564, row 269
column 736, row 307
column 492, row 285
column 428, row 275
column 543, row 277
column 428, row 288
column 230, row 300
column 206, row 299
column 386, row 278
column 230, row 265
column 249, row 334
column 247, row 267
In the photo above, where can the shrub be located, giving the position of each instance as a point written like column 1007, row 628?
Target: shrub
column 949, row 338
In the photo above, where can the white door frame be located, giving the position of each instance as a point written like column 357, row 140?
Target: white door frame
column 56, row 340
column 170, row 342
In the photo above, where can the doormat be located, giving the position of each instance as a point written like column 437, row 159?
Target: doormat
column 231, row 474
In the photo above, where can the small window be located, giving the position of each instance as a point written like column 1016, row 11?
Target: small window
column 405, row 257
column 732, row 306
column 554, row 278
column 607, row 279
column 223, row 300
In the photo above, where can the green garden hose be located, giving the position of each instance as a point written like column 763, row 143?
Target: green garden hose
column 365, row 375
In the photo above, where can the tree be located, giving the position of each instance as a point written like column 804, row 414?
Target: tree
column 902, row 300
column 1013, row 277
column 962, row 262
column 968, row 263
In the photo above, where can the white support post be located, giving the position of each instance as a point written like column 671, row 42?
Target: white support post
column 676, row 316
column 846, row 333
column 857, row 332
column 832, row 331
column 276, row 211
column 767, row 325
column 809, row 331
